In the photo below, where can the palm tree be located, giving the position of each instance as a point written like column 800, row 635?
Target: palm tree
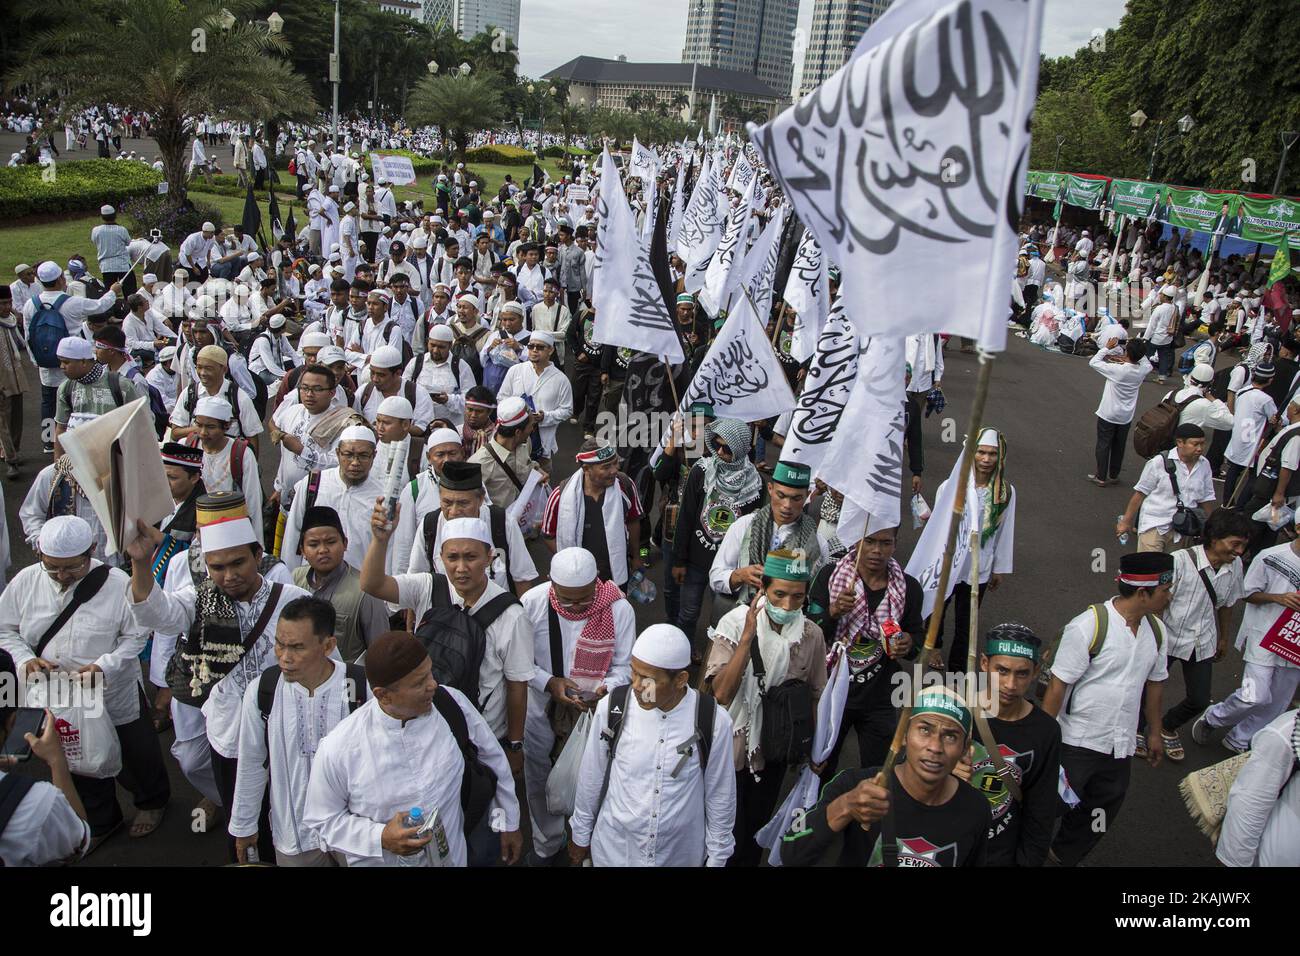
column 681, row 101
column 183, row 64
column 457, row 104
column 635, row 101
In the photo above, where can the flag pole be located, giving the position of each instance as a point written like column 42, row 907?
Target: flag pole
column 780, row 321
column 945, row 570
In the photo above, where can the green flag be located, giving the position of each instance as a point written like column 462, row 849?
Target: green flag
column 1281, row 262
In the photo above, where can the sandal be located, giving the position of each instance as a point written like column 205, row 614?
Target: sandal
column 1141, row 751
column 1173, row 747
column 145, row 822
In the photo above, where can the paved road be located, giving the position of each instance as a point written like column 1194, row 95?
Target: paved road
column 1044, row 403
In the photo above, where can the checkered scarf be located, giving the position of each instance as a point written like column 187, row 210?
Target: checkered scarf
column 860, row 620
column 594, row 652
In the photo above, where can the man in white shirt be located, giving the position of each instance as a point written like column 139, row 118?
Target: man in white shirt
column 350, row 489
column 229, row 464
column 1276, row 480
column 48, row 825
column 548, row 388
column 210, row 367
column 101, row 644
column 272, row 353
column 1269, row 682
column 1202, row 408
column 196, row 251
column 311, row 693
column 315, row 218
column 1124, row 367
column 1160, row 331
column 163, row 378
column 24, row 286
column 111, row 240
column 583, row 631
column 444, row 379
column 1208, row 582
column 1262, row 823
column 143, row 327
column 655, row 794
column 1110, row 663
column 406, row 748
column 378, row 330
column 1252, row 411
column 1154, row 500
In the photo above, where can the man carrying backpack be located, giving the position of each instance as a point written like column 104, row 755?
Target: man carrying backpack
column 1175, row 481
column 657, row 786
column 50, row 316
column 285, row 714
column 1107, row 656
column 90, row 389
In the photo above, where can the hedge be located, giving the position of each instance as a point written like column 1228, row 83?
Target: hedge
column 76, row 186
column 500, row 155
column 421, row 164
column 142, row 213
column 555, row 152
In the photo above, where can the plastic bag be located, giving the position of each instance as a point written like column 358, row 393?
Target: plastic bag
column 920, row 511
column 86, row 731
column 562, row 784
column 1276, row 519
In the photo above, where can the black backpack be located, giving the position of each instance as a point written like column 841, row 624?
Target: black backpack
column 457, row 639
column 270, row 678
column 478, row 782
column 705, row 708
column 497, row 515
column 787, row 716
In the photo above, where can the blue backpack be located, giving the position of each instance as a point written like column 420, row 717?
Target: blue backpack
column 46, row 331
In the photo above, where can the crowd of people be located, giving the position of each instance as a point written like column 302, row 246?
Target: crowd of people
column 390, row 617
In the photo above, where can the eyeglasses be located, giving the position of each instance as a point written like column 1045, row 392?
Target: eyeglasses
column 537, row 345
column 574, row 605
column 67, row 568
column 314, row 389
column 356, row 455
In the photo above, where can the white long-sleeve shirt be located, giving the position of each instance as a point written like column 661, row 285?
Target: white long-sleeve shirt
column 729, row 558
column 294, row 419
column 927, row 368
column 1204, row 410
column 649, row 817
column 1262, row 825
column 522, row 567
column 551, row 393
column 354, row 504
column 269, row 355
column 75, row 310
column 536, row 601
column 33, row 513
column 453, row 377
column 372, row 766
column 1123, row 380
column 298, row 722
column 1275, row 570
column 101, row 632
column 174, row 612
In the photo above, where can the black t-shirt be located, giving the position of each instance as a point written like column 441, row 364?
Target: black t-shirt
column 872, row 671
column 614, row 361
column 702, row 525
column 1019, row 835
column 951, row 834
column 593, row 533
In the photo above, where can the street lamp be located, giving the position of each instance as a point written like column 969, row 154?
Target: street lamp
column 1060, row 141
column 226, row 19
column 1186, row 124
column 464, row 69
column 433, row 67
column 274, row 23
column 334, row 76
column 1137, row 119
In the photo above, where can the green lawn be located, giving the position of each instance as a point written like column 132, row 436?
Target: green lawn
column 58, row 240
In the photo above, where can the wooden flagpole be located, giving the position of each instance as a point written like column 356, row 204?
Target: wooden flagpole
column 945, row 570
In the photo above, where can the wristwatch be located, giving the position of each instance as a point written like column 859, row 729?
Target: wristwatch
column 514, row 746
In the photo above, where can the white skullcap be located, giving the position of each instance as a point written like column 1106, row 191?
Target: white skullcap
column 471, row 529
column 511, row 411
column 396, row 406
column 420, row 242
column 386, row 357
column 664, row 646
column 988, row 436
column 541, row 335
column 314, row 340
column 21, row 268
column 357, row 433
column 167, row 354
column 349, row 206
column 1202, row 372
column 517, row 307
column 470, row 297
column 106, row 210
column 313, row 268
column 443, row 436
column 226, row 534
column 48, row 271
column 211, row 406
column 66, row 536
column 331, row 354
column 573, row 568
column 277, row 321
column 442, row 333
column 1169, row 290
column 75, row 348
column 208, row 227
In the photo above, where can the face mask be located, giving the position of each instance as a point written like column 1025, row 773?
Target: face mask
column 781, row 617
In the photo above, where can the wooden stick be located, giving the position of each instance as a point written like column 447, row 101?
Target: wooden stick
column 945, row 570
column 973, row 636
column 780, row 321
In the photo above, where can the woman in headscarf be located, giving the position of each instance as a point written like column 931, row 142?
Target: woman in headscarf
column 990, row 509
column 720, row 488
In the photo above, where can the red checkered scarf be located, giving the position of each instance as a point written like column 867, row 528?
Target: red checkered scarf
column 844, row 579
column 595, row 649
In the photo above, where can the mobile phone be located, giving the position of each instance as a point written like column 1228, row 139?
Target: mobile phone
column 29, row 720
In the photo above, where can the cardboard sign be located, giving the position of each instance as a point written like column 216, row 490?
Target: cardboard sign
column 398, row 170
column 577, row 195
column 1283, row 638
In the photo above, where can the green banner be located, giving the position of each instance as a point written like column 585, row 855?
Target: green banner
column 1195, row 208
column 1266, row 220
column 1133, row 197
column 1048, row 186
column 1031, row 180
column 1086, row 193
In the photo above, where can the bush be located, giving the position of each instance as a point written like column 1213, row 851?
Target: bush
column 555, row 152
column 76, row 186
column 422, row 165
column 500, row 155
column 227, row 184
column 160, row 212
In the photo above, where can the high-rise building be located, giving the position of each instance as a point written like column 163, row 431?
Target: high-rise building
column 439, row 11
column 472, row 17
column 752, row 36
column 837, row 26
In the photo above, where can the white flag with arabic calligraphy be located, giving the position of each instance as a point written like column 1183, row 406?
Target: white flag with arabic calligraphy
column 808, row 294
column 908, row 164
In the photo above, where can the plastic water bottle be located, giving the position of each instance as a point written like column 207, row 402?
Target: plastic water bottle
column 1123, row 539
column 640, row 589
column 414, row 820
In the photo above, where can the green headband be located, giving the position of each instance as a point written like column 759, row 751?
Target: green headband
column 685, row 299
column 791, row 475
column 786, row 567
column 1010, row 647
column 941, row 701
